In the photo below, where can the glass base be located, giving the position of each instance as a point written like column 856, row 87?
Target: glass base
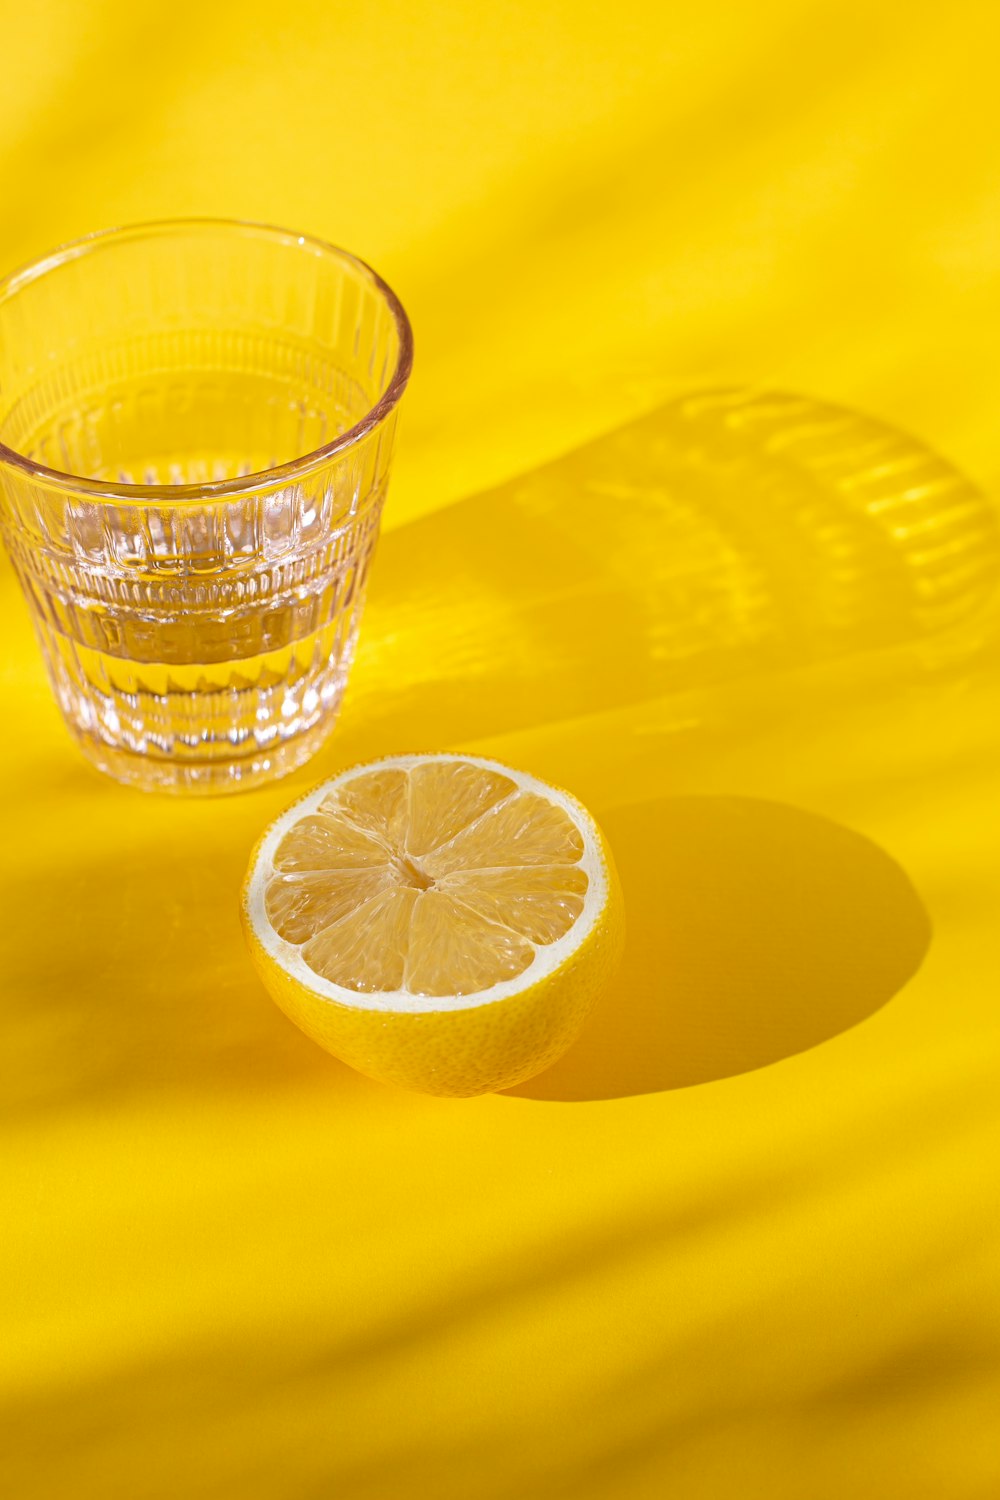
column 209, row 778
column 202, row 727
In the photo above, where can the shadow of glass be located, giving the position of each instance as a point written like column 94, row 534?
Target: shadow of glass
column 755, row 931
column 725, row 535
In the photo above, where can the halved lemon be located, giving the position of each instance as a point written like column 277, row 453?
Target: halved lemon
column 436, row 921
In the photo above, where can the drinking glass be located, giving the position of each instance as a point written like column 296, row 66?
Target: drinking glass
column 196, row 429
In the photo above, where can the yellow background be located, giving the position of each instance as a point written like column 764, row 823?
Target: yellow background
column 228, row 1266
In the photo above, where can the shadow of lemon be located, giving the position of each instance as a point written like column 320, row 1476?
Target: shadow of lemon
column 755, row 931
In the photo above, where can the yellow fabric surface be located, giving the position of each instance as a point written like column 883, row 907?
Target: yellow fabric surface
column 735, row 1244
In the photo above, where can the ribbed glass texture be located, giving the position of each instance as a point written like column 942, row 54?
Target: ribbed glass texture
column 196, row 429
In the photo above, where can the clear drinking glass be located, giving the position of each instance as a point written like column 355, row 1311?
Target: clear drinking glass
column 196, row 428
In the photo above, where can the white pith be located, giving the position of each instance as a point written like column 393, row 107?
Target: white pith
column 547, row 958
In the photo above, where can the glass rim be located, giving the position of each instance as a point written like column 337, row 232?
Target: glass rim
column 261, row 479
